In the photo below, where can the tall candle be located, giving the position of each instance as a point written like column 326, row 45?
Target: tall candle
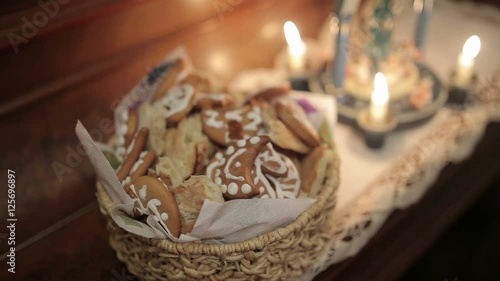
column 347, row 7
column 424, row 8
column 379, row 105
column 467, row 60
column 341, row 55
column 296, row 48
column 345, row 11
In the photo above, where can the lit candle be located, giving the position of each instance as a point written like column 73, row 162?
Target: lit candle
column 379, row 105
column 296, row 48
column 466, row 61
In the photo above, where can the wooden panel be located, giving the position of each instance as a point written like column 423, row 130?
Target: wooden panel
column 88, row 34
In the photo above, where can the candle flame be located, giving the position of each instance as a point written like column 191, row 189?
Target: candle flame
column 380, row 95
column 471, row 47
column 292, row 35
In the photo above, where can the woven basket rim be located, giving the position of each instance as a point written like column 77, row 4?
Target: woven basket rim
column 259, row 242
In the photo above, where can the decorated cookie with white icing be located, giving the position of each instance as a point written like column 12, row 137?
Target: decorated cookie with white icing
column 296, row 119
column 288, row 185
column 234, row 169
column 224, row 126
column 127, row 128
column 133, row 153
column 152, row 197
column 213, row 100
column 175, row 72
column 178, row 102
column 282, row 179
column 271, row 161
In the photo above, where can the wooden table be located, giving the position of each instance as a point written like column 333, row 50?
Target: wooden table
column 89, row 55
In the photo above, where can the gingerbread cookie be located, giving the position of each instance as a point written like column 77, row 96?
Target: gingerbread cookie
column 132, row 154
column 190, row 196
column 152, row 197
column 296, row 119
column 178, row 102
column 271, row 93
column 224, row 126
column 174, row 73
column 213, row 100
column 234, row 170
column 315, row 167
column 288, row 185
column 283, row 179
column 126, row 131
column 279, row 133
column 272, row 163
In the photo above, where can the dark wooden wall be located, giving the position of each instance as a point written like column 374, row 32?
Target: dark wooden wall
column 87, row 38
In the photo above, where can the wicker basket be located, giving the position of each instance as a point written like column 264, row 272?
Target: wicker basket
column 283, row 254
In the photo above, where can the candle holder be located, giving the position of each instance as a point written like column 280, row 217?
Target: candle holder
column 458, row 94
column 350, row 104
column 299, row 79
column 299, row 82
column 375, row 133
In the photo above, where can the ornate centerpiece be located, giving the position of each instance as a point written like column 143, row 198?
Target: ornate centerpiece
column 415, row 92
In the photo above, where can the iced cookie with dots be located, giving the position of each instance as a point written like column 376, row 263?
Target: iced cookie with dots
column 234, row 169
column 126, row 131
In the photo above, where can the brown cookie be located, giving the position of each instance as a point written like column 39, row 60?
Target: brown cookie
column 296, row 119
column 126, row 130
column 314, row 169
column 190, row 196
column 131, row 126
column 178, row 102
column 201, row 83
column 272, row 164
column 141, row 166
column 170, row 79
column 224, row 126
column 132, row 154
column 213, row 100
column 279, row 133
column 152, row 197
column 271, row 93
column 288, row 185
column 234, row 170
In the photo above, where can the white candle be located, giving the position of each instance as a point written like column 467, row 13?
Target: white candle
column 424, row 10
column 296, row 48
column 466, row 61
column 379, row 105
column 348, row 7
